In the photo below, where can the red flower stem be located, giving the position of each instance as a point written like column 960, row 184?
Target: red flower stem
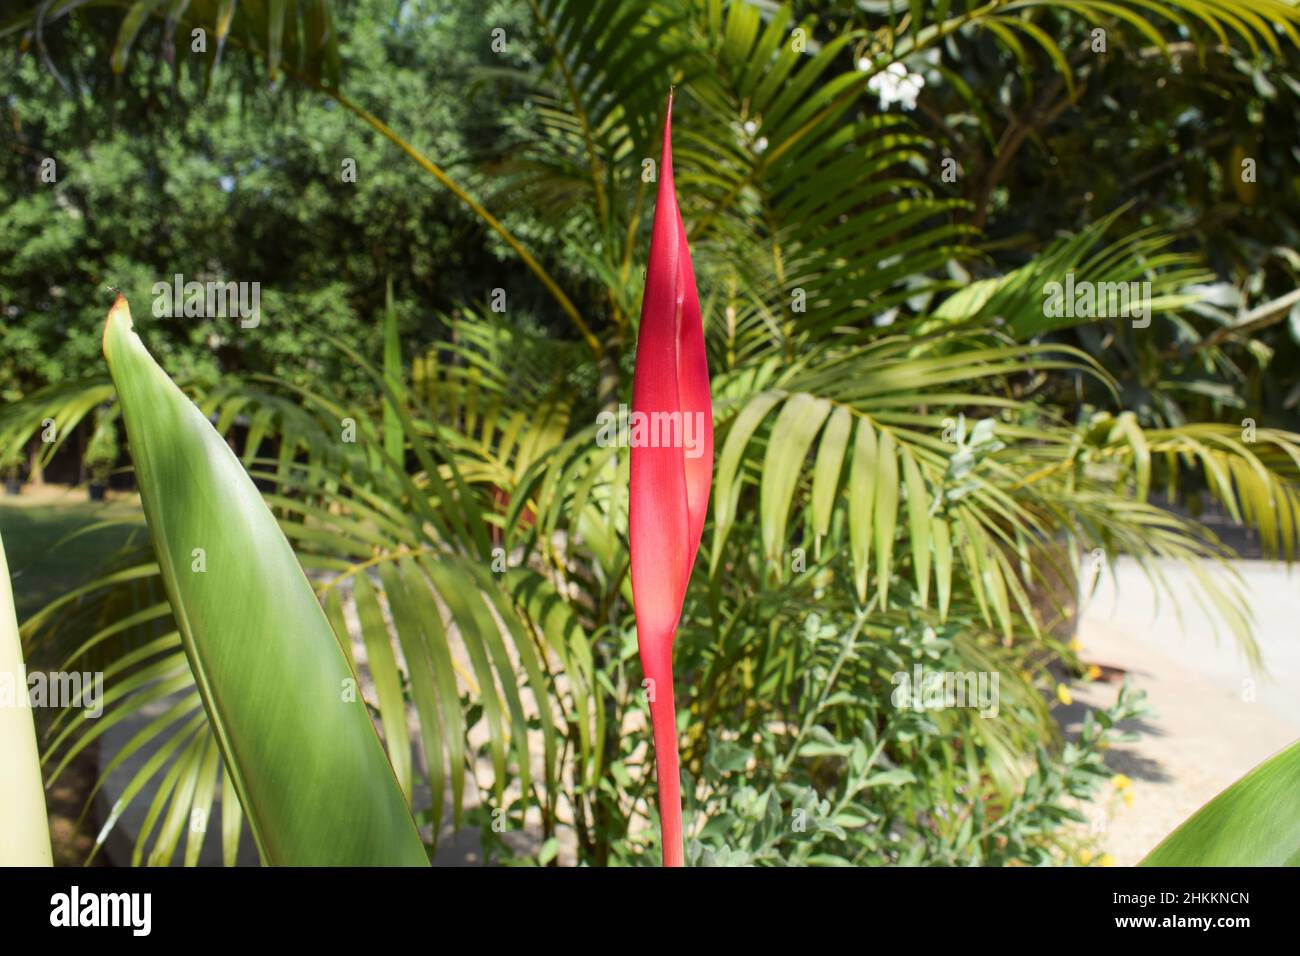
column 663, row 716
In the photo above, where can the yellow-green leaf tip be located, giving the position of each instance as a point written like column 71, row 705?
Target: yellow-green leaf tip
column 121, row 313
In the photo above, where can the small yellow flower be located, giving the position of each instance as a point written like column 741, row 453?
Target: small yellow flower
column 1063, row 695
column 1106, row 860
column 1085, row 857
column 1121, row 781
column 1076, row 645
column 1093, row 672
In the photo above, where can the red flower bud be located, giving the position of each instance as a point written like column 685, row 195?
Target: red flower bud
column 671, row 471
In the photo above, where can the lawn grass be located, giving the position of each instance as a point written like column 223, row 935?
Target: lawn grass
column 56, row 539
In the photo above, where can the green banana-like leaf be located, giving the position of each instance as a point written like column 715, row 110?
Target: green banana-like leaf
column 24, row 833
column 281, row 697
column 1255, row 822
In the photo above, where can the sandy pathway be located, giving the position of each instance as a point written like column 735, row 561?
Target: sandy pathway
column 1212, row 717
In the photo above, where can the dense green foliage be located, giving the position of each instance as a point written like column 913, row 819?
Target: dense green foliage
column 245, row 184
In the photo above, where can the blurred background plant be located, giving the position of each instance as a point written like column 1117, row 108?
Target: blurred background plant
column 913, row 456
column 102, row 452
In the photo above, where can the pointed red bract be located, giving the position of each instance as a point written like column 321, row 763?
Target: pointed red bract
column 670, row 481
